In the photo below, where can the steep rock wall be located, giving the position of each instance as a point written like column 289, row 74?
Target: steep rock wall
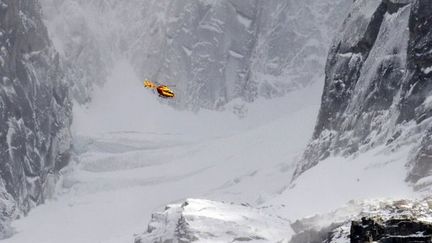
column 378, row 85
column 35, row 111
column 218, row 51
column 213, row 51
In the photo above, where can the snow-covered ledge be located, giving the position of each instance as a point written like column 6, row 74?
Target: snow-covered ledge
column 209, row 221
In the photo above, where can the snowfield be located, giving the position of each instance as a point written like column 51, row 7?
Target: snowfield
column 136, row 154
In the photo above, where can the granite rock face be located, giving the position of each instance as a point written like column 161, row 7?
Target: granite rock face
column 378, row 85
column 35, row 111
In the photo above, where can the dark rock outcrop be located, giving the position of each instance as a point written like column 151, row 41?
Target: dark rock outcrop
column 378, row 84
column 35, row 111
column 380, row 221
column 390, row 231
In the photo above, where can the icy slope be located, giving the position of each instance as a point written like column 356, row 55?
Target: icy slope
column 166, row 156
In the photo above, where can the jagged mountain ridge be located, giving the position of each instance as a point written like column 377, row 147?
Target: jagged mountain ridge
column 35, row 111
column 377, row 89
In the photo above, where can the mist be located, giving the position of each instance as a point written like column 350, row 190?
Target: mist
column 289, row 121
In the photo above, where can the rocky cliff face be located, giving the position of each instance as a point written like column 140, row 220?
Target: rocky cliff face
column 35, row 111
column 213, row 51
column 217, row 51
column 377, row 88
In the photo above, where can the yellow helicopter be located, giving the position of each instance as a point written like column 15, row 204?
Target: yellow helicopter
column 163, row 90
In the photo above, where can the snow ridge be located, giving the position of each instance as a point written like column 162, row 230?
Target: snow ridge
column 208, row 221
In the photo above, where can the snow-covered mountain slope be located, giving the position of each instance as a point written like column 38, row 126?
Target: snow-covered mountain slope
column 376, row 174
column 208, row 221
column 166, row 156
column 377, row 89
column 136, row 155
column 213, row 51
column 35, row 111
